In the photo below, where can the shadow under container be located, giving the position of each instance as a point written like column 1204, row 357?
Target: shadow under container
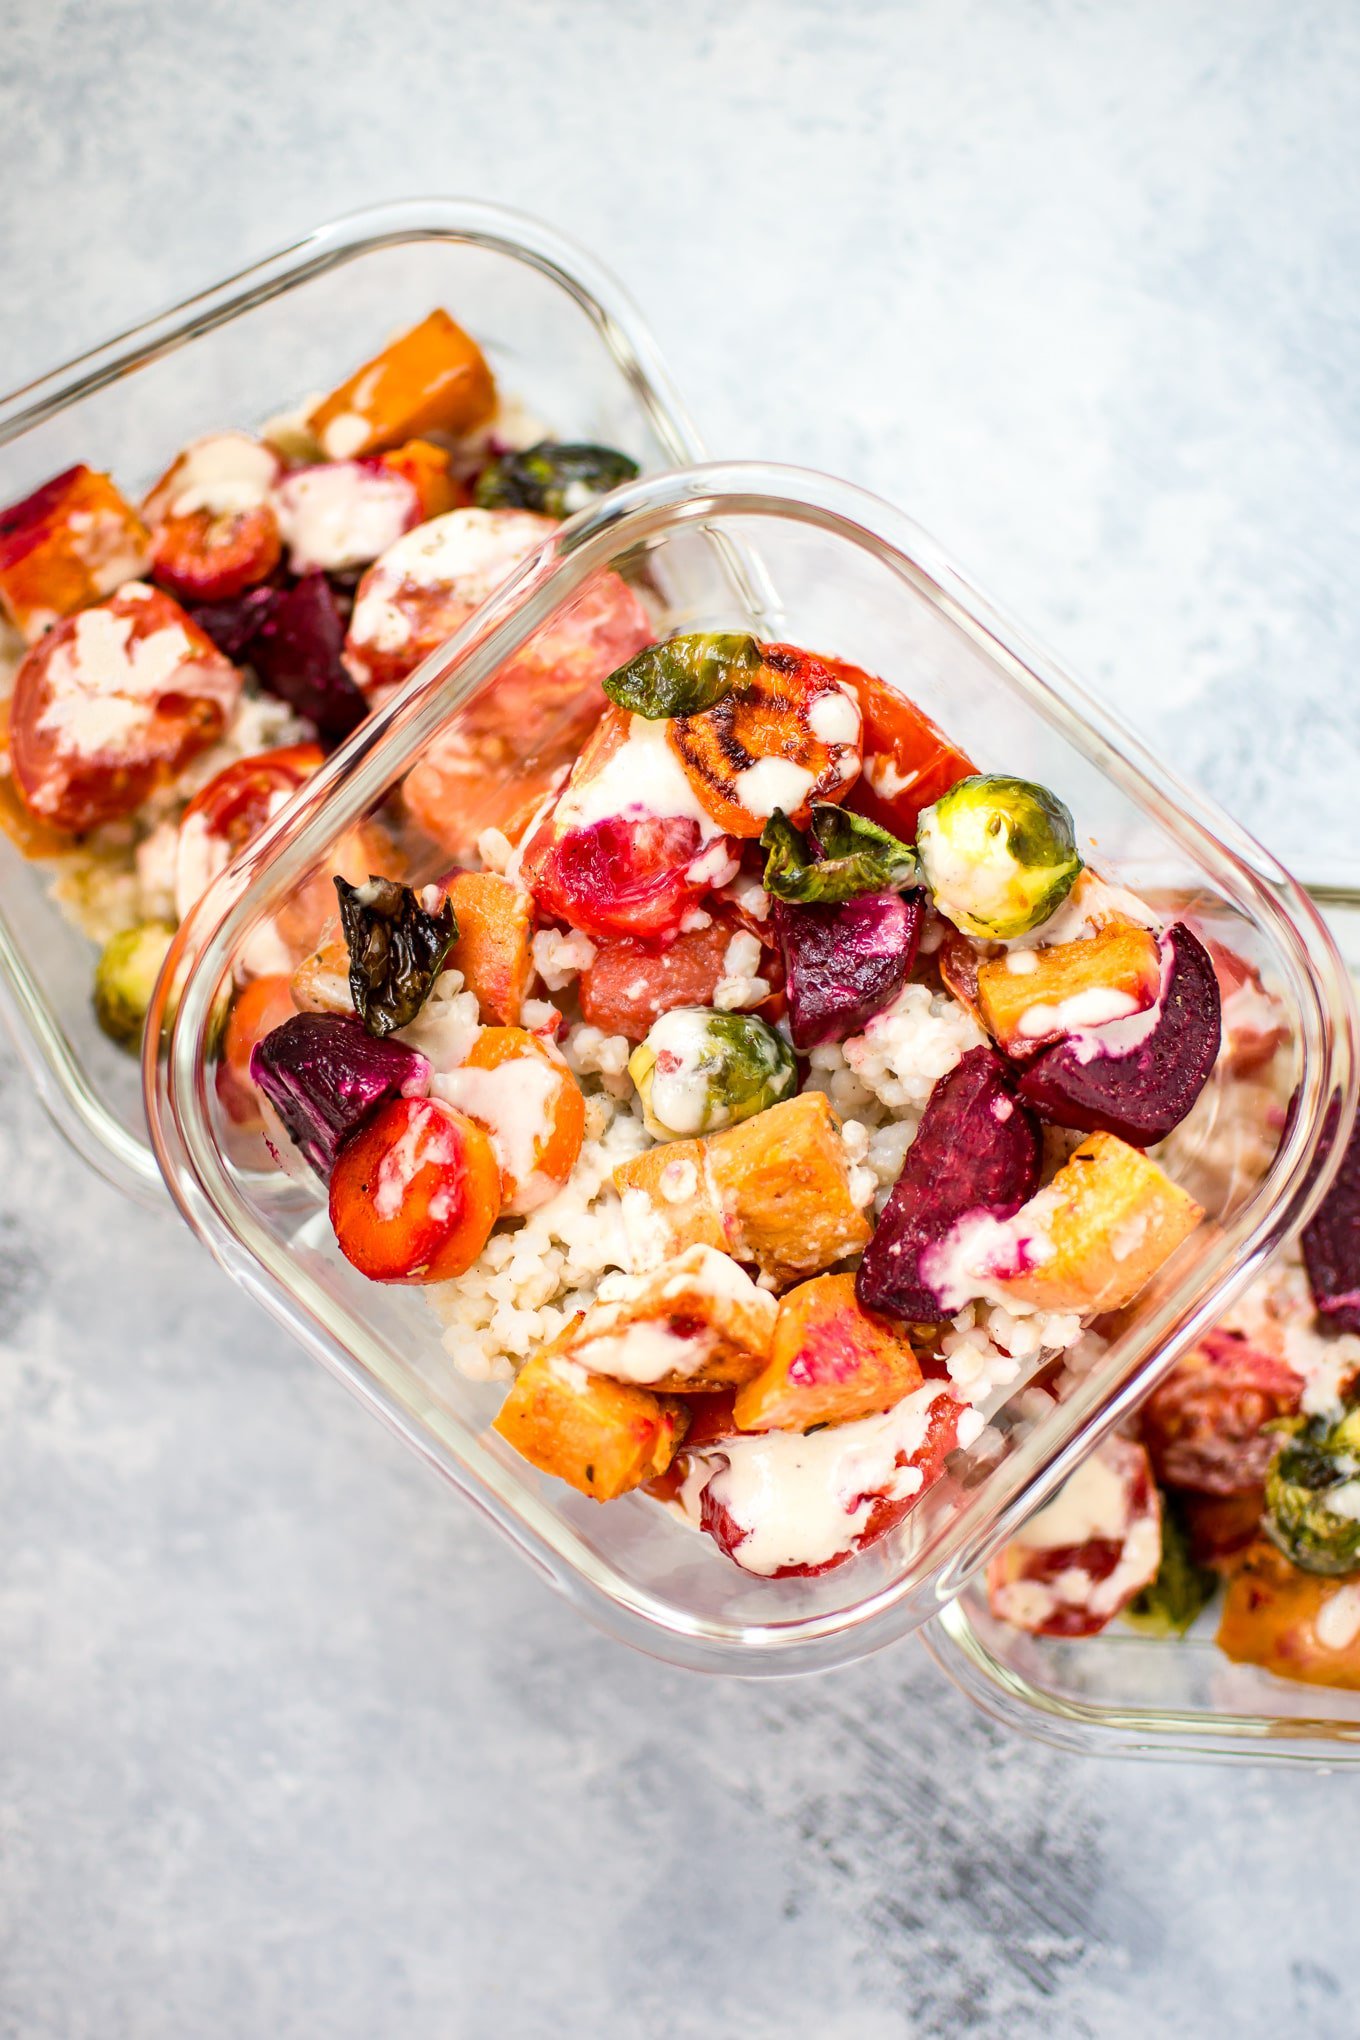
column 561, row 338
column 708, row 548
column 1128, row 1695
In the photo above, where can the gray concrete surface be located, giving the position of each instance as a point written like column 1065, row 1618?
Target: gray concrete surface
column 289, row 1744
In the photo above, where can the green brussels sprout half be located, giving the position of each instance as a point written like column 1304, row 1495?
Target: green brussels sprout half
column 684, row 675
column 1181, row 1588
column 999, row 854
column 554, row 480
column 396, row 950
column 125, row 977
column 1313, row 1492
column 699, row 1070
column 842, row 857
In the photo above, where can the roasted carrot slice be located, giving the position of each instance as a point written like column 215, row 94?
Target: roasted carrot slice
column 258, row 1008
column 495, row 923
column 789, row 736
column 415, row 1193
column 517, row 1087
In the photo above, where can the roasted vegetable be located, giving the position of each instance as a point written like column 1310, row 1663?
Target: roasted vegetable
column 829, row 1363
column 842, row 856
column 556, row 480
column 1000, row 855
column 1098, row 1233
column 491, row 949
column 684, row 675
column 1029, row 997
column 521, row 1092
column 73, row 540
column 1313, row 1492
column 1141, row 1089
column 325, row 1076
column 1290, row 1622
column 396, row 950
column 295, row 649
column 1170, row 1604
column 602, row 1437
column 699, row 1322
column 415, row 1192
column 843, row 964
column 699, row 1070
column 1331, row 1246
column 433, row 378
column 125, row 977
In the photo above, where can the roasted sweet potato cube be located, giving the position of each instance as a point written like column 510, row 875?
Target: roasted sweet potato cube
column 495, row 926
column 70, row 542
column 668, row 1202
column 601, row 1437
column 1032, row 995
column 698, row 1322
column 433, row 379
column 829, row 1361
column 782, row 1183
column 1295, row 1624
column 1105, row 1224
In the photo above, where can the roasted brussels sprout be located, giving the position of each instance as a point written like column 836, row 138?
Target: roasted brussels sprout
column 125, row 977
column 842, row 856
column 684, row 675
column 999, row 854
column 1313, row 1492
column 1181, row 1588
column 396, row 950
column 554, row 480
column 699, row 1070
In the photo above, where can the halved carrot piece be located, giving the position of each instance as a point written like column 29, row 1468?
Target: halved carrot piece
column 434, row 378
column 495, row 926
column 790, row 735
column 415, row 1193
column 258, row 1008
column 516, row 1086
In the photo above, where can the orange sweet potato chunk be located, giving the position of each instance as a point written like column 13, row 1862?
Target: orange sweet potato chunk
column 699, row 1322
column 69, row 543
column 495, row 928
column 1122, row 958
column 1111, row 1218
column 601, row 1437
column 433, row 379
column 830, row 1361
column 1278, row 1617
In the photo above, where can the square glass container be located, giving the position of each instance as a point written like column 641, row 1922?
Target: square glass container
column 1125, row 1694
column 562, row 339
column 860, row 580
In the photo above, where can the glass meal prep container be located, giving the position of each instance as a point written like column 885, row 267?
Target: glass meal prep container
column 709, row 547
column 562, row 340
column 1126, row 1694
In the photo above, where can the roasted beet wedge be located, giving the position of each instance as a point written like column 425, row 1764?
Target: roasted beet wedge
column 977, row 1151
column 1141, row 1091
column 1331, row 1246
column 845, row 963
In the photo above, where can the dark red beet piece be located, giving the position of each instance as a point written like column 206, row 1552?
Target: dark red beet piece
column 1331, row 1245
column 233, row 622
column 1141, row 1094
column 325, row 1074
column 847, row 962
column 977, row 1150
column 296, row 653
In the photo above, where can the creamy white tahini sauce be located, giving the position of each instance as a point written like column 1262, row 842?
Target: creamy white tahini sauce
column 342, row 515
column 513, row 1103
column 226, row 473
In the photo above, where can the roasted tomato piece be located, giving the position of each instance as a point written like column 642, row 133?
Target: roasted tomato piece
column 1084, row 1556
column 908, row 761
column 433, row 378
column 789, row 735
column 230, row 812
column 111, row 704
column 415, row 1193
column 213, row 532
column 745, row 1506
column 518, row 1087
column 631, row 984
column 1204, row 1425
column 70, row 542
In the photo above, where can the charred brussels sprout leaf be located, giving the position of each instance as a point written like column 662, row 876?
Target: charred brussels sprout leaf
column 699, row 1070
column 685, row 675
column 1313, row 1492
column 554, row 480
column 842, row 856
column 1181, row 1588
column 999, row 855
column 125, row 977
column 396, row 950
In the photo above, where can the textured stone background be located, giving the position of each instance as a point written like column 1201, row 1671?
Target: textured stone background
column 289, row 1745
